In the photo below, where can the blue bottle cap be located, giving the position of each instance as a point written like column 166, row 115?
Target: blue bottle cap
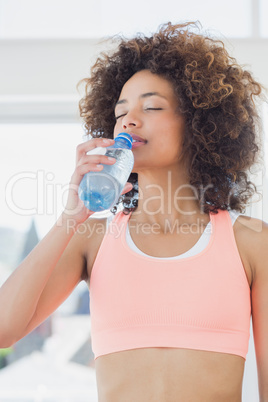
column 127, row 137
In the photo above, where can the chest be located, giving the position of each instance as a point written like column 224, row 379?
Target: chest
column 181, row 240
column 198, row 302
column 158, row 291
column 164, row 245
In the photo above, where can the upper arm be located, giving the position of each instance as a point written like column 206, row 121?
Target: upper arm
column 259, row 295
column 68, row 272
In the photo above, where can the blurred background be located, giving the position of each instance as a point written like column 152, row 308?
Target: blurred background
column 46, row 47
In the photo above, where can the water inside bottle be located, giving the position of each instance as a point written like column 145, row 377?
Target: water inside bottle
column 98, row 198
column 100, row 190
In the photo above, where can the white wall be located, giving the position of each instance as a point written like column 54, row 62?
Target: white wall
column 45, row 70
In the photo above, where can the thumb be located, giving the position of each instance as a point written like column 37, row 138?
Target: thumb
column 127, row 188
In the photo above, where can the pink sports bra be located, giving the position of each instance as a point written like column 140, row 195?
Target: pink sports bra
column 199, row 302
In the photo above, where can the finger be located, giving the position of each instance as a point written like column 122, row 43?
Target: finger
column 127, row 188
column 89, row 145
column 96, row 159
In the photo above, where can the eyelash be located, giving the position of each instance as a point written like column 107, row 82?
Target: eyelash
column 118, row 117
column 148, row 108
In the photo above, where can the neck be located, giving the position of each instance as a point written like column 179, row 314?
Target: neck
column 166, row 196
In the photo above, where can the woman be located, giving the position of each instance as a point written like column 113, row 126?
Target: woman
column 173, row 278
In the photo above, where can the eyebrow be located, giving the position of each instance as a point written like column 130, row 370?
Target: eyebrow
column 142, row 96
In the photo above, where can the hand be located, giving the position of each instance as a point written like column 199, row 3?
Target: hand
column 75, row 208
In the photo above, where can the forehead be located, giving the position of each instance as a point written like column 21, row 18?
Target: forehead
column 144, row 82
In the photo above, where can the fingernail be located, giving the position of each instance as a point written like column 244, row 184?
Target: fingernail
column 111, row 159
column 106, row 140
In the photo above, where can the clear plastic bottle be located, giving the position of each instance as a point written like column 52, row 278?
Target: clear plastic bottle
column 99, row 191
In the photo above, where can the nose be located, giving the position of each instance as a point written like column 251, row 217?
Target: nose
column 130, row 120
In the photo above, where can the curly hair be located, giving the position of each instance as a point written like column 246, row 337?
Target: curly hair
column 215, row 96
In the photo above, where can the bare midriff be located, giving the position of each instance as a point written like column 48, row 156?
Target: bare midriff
column 169, row 375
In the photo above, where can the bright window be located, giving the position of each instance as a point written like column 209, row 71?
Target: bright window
column 39, row 160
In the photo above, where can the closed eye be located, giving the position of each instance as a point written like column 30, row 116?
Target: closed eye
column 148, row 108
column 118, row 117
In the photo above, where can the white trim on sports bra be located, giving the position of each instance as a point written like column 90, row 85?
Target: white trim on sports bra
column 197, row 248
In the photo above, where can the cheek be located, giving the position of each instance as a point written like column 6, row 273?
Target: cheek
column 169, row 149
column 170, row 143
column 171, row 137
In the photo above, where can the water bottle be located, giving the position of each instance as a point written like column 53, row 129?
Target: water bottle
column 99, row 191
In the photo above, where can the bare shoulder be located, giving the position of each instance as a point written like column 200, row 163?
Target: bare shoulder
column 252, row 225
column 252, row 229
column 252, row 237
column 91, row 234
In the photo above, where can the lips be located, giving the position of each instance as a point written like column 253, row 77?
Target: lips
column 136, row 139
